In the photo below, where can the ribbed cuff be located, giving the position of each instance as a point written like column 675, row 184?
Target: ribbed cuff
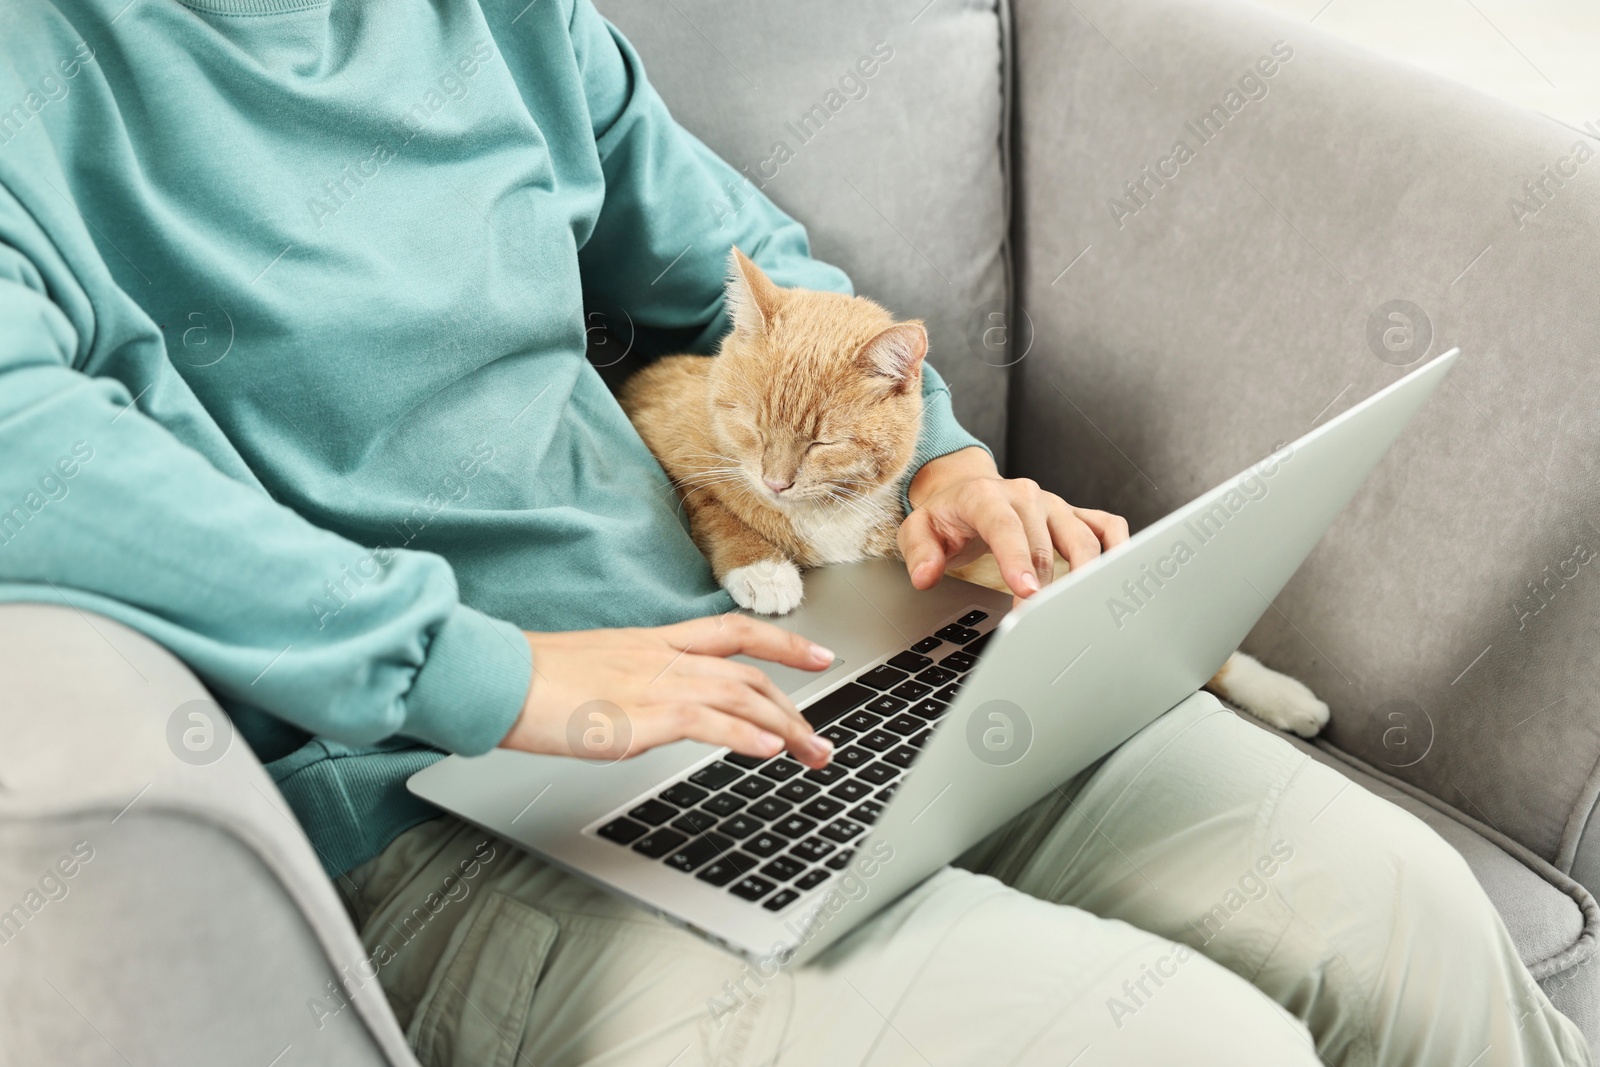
column 472, row 686
column 941, row 433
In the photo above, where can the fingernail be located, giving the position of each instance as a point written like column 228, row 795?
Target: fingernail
column 771, row 742
column 820, row 654
column 821, row 747
column 1030, row 582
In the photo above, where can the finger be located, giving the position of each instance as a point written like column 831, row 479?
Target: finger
column 1073, row 538
column 1112, row 530
column 702, row 722
column 733, row 634
column 921, row 549
column 1033, row 509
column 997, row 522
column 743, row 673
column 733, row 697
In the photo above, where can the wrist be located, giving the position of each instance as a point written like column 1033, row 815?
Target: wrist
column 950, row 469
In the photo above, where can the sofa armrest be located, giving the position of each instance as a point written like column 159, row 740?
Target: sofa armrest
column 158, row 902
column 1216, row 208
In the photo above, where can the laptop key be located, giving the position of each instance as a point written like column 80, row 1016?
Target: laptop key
column 903, row 756
column 653, row 812
column 716, row 775
column 783, row 868
column 781, row 770
column 813, row 849
column 959, row 661
column 781, row 899
column 694, row 822
column 699, row 851
column 625, row 831
column 948, row 693
column 811, row 880
column 861, row 720
column 886, row 792
column 878, row 773
column 659, row 843
column 838, row 862
column 910, row 661
column 976, row 647
column 956, row 634
column 794, row 827
column 684, row 795
column 823, row 807
column 798, row 791
column 765, row 844
column 972, row 618
column 929, row 709
column 867, row 812
column 838, row 735
column 852, row 757
column 740, row 826
column 749, row 763
column 937, row 676
column 850, row 790
column 770, row 808
column 724, row 804
column 826, row 775
column 752, row 786
column 883, row 677
column 725, row 869
column 912, row 690
column 842, row 830
column 904, row 724
column 921, row 739
column 830, row 706
column 879, row 740
column 886, row 705
column 752, row 888
column 926, row 645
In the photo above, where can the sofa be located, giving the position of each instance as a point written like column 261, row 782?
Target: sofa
column 1151, row 239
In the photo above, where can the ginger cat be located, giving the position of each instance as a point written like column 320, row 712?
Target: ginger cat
column 789, row 447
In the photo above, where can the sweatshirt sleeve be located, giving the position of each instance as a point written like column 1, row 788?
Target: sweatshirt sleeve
column 105, row 509
column 674, row 208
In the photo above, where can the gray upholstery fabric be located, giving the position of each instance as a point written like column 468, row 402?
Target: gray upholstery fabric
column 903, row 187
column 202, row 926
column 1231, row 311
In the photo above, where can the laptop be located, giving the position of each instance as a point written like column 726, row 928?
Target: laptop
column 950, row 713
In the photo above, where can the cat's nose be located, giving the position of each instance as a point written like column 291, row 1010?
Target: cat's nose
column 777, row 485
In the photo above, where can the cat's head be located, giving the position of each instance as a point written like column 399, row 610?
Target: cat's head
column 815, row 397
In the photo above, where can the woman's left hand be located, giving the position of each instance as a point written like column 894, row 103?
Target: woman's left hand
column 963, row 508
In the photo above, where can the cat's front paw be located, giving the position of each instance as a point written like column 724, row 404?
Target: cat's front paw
column 771, row 587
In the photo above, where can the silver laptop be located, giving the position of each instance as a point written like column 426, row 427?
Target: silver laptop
column 949, row 712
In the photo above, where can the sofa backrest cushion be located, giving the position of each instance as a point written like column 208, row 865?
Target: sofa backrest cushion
column 898, row 176
column 1451, row 616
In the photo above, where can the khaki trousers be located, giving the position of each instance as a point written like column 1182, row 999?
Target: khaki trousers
column 1206, row 894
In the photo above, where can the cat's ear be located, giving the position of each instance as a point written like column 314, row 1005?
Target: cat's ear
column 752, row 296
column 897, row 354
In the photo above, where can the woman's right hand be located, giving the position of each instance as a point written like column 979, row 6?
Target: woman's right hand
column 665, row 684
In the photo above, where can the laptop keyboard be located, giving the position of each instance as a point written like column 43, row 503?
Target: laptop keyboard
column 770, row 830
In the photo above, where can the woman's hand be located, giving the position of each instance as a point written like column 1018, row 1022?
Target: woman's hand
column 963, row 508
column 646, row 687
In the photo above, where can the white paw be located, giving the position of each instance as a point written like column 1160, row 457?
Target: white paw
column 1276, row 699
column 771, row 587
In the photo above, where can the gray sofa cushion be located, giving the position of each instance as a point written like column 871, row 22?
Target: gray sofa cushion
column 903, row 185
column 1232, row 311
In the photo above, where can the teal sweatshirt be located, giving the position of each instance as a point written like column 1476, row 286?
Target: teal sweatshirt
column 294, row 297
